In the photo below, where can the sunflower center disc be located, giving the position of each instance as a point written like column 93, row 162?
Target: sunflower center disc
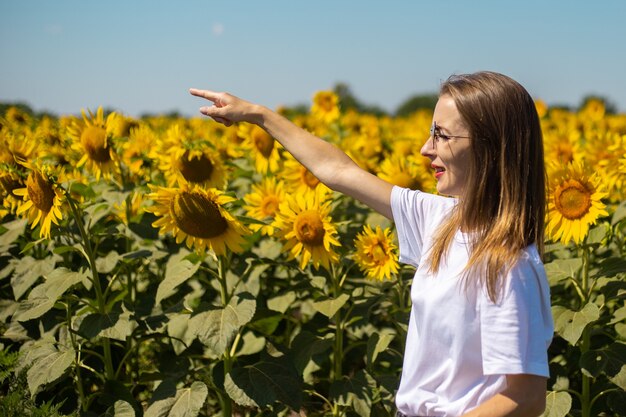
column 573, row 201
column 309, row 179
column 93, row 140
column 269, row 205
column 309, row 228
column 379, row 253
column 197, row 169
column 197, row 215
column 40, row 191
column 263, row 142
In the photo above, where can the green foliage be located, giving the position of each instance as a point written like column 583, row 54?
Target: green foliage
column 107, row 318
column 417, row 102
column 588, row 370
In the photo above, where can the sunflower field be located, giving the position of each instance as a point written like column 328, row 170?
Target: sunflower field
column 169, row 266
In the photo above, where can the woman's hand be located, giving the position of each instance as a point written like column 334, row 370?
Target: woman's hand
column 228, row 109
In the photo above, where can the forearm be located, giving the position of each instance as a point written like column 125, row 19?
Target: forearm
column 325, row 160
column 503, row 406
column 524, row 396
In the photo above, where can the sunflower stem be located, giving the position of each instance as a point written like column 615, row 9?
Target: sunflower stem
column 86, row 244
column 76, row 347
column 225, row 399
column 585, row 344
column 336, row 372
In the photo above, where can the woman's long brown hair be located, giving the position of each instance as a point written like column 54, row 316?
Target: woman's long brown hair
column 503, row 204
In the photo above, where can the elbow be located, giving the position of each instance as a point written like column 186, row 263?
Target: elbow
column 539, row 405
column 532, row 405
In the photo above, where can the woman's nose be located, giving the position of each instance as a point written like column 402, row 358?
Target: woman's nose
column 428, row 149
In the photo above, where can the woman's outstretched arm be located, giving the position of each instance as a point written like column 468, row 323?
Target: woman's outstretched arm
column 325, row 160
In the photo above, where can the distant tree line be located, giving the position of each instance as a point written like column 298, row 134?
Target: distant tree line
column 347, row 101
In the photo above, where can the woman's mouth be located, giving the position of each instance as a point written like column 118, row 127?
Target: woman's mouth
column 438, row 171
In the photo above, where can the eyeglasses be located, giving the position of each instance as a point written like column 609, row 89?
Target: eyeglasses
column 435, row 133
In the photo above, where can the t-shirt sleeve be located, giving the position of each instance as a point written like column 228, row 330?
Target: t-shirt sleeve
column 517, row 330
column 408, row 218
column 416, row 215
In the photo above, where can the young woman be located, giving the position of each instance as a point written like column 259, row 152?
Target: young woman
column 480, row 321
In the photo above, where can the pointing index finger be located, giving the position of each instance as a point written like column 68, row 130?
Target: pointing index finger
column 209, row 95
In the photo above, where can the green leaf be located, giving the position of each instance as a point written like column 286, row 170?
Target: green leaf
column 619, row 378
column 611, row 267
column 597, row 234
column 169, row 402
column 266, row 321
column 570, row 324
column 7, row 308
column 264, row 383
column 251, row 344
column 177, row 271
column 282, row 302
column 609, row 360
column 558, row 404
column 304, row 346
column 619, row 214
column 14, row 229
column 36, row 306
column 331, row 306
column 107, row 263
column 95, row 212
column 561, row 269
column 377, row 343
column 355, row 392
column 120, row 409
column 618, row 315
column 43, row 297
column 48, row 368
column 27, row 271
column 612, row 287
column 60, row 280
column 617, row 402
column 217, row 328
column 115, row 324
column 189, row 400
column 178, row 329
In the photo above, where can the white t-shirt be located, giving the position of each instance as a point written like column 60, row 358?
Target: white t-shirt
column 460, row 345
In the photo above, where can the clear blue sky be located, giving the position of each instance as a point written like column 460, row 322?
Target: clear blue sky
column 141, row 56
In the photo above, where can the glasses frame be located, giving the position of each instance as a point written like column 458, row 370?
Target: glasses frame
column 436, row 135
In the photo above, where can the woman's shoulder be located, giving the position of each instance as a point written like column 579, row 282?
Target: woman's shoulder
column 418, row 197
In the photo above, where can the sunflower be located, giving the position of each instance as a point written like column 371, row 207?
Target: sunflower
column 574, row 203
column 325, row 106
column 92, row 140
column 604, row 157
column 594, row 109
column 130, row 212
column 198, row 217
column 263, row 202
column 42, row 199
column 405, row 172
column 135, row 150
column 10, row 180
column 376, row 254
column 264, row 148
column 186, row 159
column 299, row 179
column 562, row 148
column 17, row 148
column 307, row 229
